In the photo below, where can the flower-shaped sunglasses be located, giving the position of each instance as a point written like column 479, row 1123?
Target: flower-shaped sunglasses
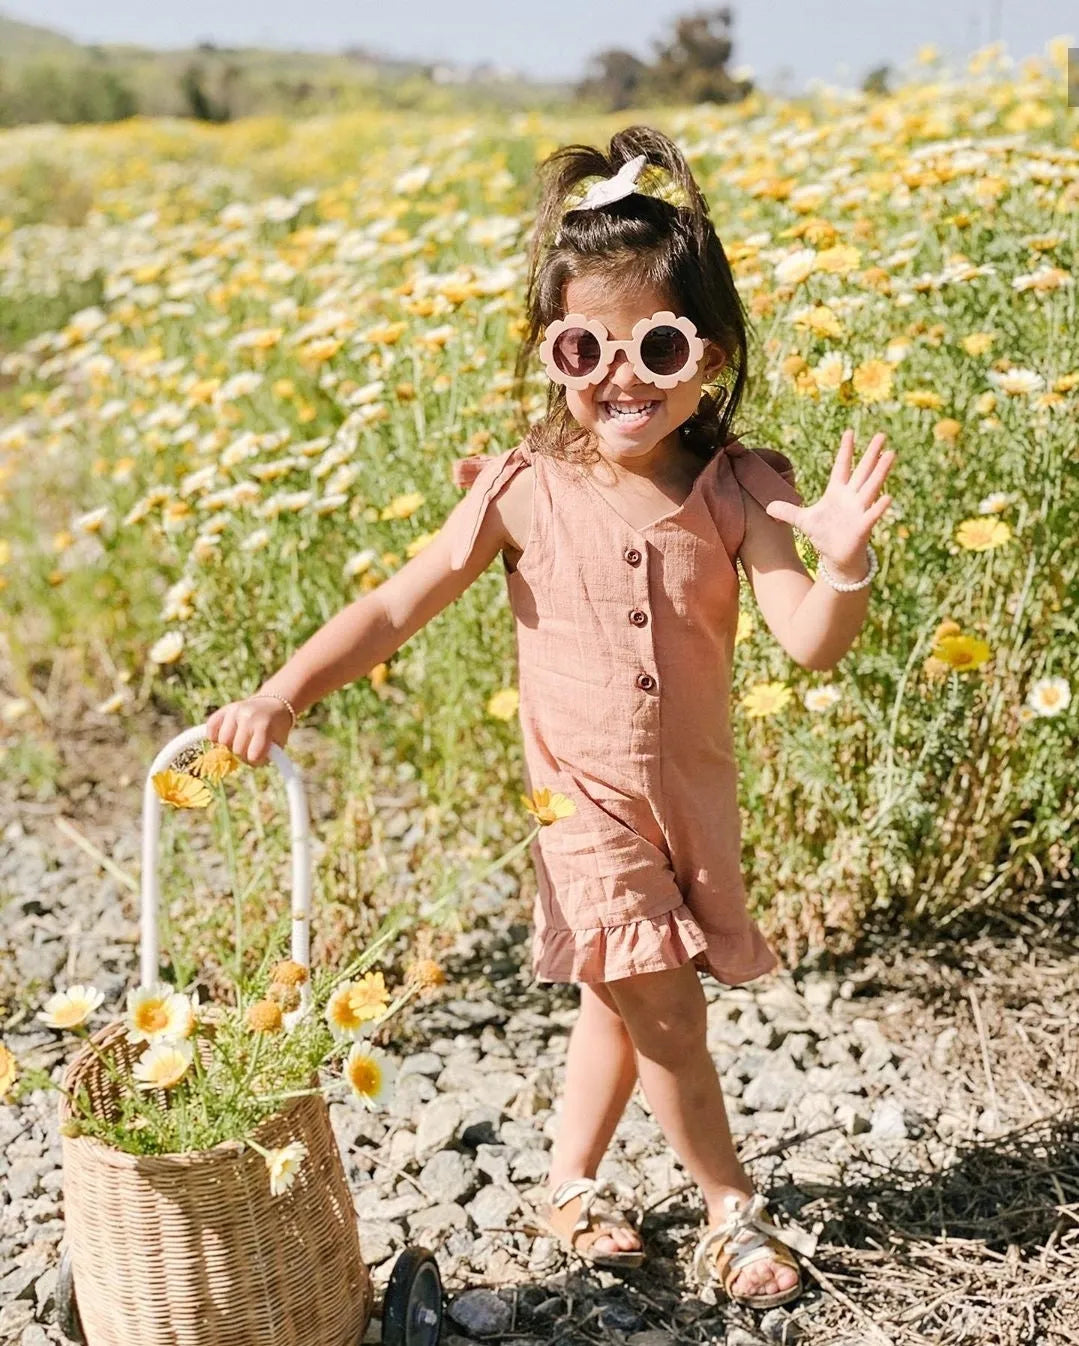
column 664, row 350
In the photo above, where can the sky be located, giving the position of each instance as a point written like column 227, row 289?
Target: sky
column 786, row 42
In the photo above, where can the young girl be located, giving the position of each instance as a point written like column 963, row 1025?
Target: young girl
column 619, row 519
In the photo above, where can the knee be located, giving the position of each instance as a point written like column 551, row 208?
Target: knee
column 666, row 1018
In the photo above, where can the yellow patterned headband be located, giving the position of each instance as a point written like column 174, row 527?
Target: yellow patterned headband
column 638, row 175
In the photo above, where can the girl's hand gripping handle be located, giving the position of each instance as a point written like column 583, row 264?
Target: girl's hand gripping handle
column 248, row 727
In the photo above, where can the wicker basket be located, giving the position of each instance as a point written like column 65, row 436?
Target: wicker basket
column 192, row 1249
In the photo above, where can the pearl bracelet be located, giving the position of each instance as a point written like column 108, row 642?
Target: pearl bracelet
column 278, row 697
column 856, row 584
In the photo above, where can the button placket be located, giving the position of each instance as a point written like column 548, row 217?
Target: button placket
column 638, row 615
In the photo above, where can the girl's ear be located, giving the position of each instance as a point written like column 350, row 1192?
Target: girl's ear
column 715, row 357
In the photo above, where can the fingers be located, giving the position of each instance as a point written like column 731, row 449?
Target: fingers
column 244, row 728
column 868, row 462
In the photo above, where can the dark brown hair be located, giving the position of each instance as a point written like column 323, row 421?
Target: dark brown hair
column 638, row 240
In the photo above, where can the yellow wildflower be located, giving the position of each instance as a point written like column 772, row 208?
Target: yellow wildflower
column 369, row 1074
column 503, row 704
column 181, row 790
column 873, row 381
column 164, row 1065
column 546, row 807
column 982, row 534
column 9, row 1072
column 70, row 1008
column 766, row 699
column 215, row 763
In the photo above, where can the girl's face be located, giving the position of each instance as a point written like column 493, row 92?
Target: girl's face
column 644, row 426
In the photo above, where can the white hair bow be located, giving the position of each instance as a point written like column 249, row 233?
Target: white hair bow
column 624, row 183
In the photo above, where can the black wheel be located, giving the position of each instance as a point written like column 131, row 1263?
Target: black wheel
column 412, row 1309
column 67, row 1308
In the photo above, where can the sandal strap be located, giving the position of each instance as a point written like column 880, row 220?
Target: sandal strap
column 591, row 1191
column 745, row 1236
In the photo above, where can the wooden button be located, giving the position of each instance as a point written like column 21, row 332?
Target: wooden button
column 638, row 618
column 633, row 556
column 645, row 681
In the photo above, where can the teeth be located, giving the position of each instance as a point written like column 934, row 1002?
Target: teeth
column 624, row 409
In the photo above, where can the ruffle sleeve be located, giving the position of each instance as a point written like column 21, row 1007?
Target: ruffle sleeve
column 766, row 474
column 483, row 476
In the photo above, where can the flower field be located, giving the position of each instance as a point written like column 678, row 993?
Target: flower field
column 237, row 362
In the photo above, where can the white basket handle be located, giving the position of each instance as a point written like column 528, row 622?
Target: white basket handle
column 299, row 831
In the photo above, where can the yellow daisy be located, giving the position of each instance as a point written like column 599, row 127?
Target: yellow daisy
column 156, row 1012
column 961, row 653
column 70, row 1008
column 369, row 1073
column 284, row 1164
column 181, row 790
column 546, row 807
column 982, row 534
column 766, row 699
column 164, row 1065
column 215, row 763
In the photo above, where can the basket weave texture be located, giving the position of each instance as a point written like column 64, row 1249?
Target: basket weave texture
column 192, row 1249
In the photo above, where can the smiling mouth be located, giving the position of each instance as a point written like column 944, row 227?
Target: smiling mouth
column 629, row 413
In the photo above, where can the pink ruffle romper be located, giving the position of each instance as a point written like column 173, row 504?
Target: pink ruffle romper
column 625, row 638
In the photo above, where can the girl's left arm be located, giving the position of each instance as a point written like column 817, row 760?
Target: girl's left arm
column 815, row 623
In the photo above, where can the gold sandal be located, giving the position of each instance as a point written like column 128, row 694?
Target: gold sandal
column 590, row 1221
column 745, row 1236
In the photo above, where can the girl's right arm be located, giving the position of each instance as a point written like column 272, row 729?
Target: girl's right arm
column 364, row 634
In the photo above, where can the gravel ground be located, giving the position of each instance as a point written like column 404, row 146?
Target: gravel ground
column 919, row 1108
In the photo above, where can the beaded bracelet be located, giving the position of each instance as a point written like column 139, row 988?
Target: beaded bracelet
column 278, row 697
column 856, row 584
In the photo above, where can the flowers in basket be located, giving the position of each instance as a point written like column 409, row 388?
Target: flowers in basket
column 186, row 1076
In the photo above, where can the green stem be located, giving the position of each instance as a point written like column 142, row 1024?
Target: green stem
column 237, row 900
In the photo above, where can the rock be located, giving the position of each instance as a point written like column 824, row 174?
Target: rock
column 738, row 1336
column 494, row 1160
column 522, row 1135
column 370, row 1205
column 493, row 1205
column 543, row 1255
column 402, row 1147
column 618, row 1316
column 24, row 1177
column 776, row 1087
column 14, row 1317
column 44, row 1292
column 530, row 1166
column 481, row 1126
column 851, row 1118
column 34, row 1335
column 780, row 1328
column 942, row 1047
column 482, row 1313
column 378, row 1240
column 437, row 1126
column 422, row 1063
column 437, row 1219
column 813, row 1111
column 496, row 1088
column 410, row 1094
column 886, row 1122
column 655, row 1336
column 449, row 1176
column 819, row 993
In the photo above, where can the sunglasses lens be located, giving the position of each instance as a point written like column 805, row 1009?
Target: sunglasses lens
column 576, row 351
column 665, row 350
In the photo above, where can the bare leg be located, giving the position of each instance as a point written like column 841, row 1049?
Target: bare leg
column 600, row 1076
column 665, row 1015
